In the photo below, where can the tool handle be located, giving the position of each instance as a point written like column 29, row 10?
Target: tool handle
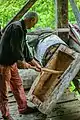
column 48, row 70
column 51, row 71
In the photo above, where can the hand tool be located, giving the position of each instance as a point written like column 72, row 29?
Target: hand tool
column 48, row 70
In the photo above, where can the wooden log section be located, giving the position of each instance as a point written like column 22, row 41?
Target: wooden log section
column 59, row 63
column 25, row 8
column 48, row 87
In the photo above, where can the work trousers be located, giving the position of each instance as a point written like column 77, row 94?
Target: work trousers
column 9, row 76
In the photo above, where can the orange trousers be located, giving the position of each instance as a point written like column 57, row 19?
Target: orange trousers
column 9, row 76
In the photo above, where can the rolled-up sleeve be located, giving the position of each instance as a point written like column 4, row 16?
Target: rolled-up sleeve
column 16, row 44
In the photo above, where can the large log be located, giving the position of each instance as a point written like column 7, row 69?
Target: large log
column 48, row 88
column 46, row 48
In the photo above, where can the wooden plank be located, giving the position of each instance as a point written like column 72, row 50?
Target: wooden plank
column 64, row 108
column 74, row 43
column 18, row 16
column 73, row 116
column 77, row 35
column 55, row 31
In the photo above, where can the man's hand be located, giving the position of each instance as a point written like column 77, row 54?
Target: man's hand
column 38, row 68
column 26, row 65
column 23, row 65
column 36, row 65
column 33, row 65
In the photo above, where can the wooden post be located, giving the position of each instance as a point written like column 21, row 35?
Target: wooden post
column 25, row 8
column 62, row 17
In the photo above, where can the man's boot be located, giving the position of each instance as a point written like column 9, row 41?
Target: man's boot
column 7, row 117
column 28, row 110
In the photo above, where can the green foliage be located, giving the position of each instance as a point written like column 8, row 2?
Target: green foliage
column 71, row 14
column 45, row 9
column 8, row 9
column 72, row 87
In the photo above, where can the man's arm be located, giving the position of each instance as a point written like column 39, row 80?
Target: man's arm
column 36, row 64
column 23, row 64
column 30, row 59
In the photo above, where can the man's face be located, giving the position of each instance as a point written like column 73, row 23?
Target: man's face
column 32, row 23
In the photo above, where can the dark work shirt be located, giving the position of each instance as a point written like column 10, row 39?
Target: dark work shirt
column 13, row 45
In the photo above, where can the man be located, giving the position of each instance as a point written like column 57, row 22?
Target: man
column 13, row 50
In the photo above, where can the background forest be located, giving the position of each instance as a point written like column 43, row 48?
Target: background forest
column 45, row 9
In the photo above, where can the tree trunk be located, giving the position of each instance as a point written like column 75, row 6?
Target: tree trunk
column 62, row 17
